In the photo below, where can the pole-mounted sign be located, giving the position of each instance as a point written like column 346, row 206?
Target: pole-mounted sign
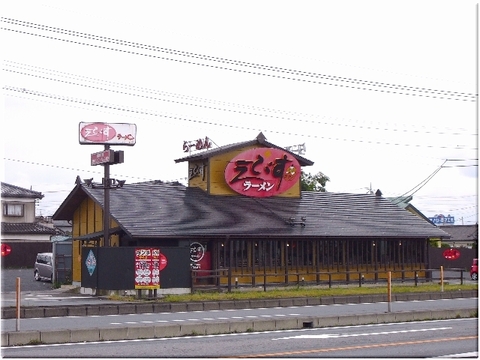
column 98, row 133
column 107, row 157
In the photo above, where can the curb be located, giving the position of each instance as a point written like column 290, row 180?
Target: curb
column 152, row 307
column 223, row 327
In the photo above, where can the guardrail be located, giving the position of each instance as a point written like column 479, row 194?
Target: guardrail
column 223, row 279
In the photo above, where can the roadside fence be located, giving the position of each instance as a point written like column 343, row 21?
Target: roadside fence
column 224, row 280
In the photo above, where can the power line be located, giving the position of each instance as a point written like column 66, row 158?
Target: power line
column 83, row 170
column 211, row 123
column 145, row 90
column 419, row 186
column 376, row 86
column 169, row 94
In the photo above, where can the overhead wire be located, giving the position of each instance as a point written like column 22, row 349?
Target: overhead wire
column 417, row 187
column 150, row 97
column 209, row 122
column 399, row 89
column 84, row 170
column 53, row 72
column 450, row 132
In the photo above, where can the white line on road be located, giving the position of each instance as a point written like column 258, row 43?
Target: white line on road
column 331, row 336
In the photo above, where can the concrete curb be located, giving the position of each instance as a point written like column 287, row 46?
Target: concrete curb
column 223, row 327
column 152, row 307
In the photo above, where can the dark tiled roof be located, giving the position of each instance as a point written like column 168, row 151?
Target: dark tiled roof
column 26, row 228
column 461, row 232
column 9, row 190
column 171, row 210
column 259, row 140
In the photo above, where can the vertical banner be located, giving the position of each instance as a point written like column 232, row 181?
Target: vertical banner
column 147, row 268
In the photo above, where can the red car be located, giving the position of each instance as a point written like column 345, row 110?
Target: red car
column 474, row 270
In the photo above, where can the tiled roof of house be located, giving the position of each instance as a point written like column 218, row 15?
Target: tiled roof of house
column 461, row 232
column 159, row 210
column 26, row 228
column 259, row 140
column 13, row 191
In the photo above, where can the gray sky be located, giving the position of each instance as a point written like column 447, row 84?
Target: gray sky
column 381, row 93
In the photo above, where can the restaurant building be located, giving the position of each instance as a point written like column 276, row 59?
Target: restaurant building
column 243, row 216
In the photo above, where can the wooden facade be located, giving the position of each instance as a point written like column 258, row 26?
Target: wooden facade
column 255, row 240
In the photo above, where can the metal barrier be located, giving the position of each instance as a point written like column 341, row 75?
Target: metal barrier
column 221, row 279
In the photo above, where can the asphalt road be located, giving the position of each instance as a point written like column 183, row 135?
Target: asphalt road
column 422, row 339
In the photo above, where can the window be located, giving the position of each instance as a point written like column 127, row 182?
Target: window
column 13, row 209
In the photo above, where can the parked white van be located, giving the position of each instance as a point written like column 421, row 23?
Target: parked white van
column 43, row 268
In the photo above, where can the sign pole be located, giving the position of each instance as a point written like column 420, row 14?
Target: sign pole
column 106, row 203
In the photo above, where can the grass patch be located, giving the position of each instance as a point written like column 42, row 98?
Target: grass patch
column 306, row 291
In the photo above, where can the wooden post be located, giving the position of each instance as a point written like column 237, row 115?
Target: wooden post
column 389, row 291
column 18, row 302
column 441, row 278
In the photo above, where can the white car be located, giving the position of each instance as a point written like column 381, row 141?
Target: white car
column 43, row 268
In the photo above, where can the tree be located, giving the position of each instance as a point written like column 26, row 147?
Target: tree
column 317, row 182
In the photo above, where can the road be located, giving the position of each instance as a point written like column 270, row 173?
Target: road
column 95, row 321
column 423, row 339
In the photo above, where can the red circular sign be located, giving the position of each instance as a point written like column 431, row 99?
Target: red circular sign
column 451, row 254
column 98, row 132
column 262, row 172
column 6, row 249
column 163, row 261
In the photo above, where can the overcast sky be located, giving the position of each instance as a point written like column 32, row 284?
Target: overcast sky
column 382, row 93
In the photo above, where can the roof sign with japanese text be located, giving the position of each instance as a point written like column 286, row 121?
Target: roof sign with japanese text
column 98, row 133
column 262, row 172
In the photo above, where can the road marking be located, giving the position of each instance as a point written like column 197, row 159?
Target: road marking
column 472, row 354
column 357, row 347
column 331, row 336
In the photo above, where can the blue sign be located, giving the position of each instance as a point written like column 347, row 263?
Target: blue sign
column 91, row 262
column 442, row 219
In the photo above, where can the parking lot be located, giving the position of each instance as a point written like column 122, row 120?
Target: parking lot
column 27, row 282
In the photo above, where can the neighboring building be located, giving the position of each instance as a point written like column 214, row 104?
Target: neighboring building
column 20, row 230
column 231, row 223
column 18, row 216
column 404, row 203
column 461, row 235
